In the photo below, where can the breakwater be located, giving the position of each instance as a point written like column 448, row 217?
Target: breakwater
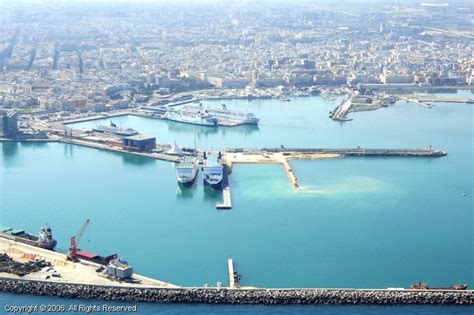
column 346, row 152
column 236, row 296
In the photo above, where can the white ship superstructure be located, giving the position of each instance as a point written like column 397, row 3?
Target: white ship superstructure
column 232, row 115
column 210, row 116
column 196, row 116
column 187, row 170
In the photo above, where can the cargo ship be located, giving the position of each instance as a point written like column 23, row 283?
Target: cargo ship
column 187, row 170
column 213, row 170
column 425, row 286
column 43, row 240
column 191, row 115
column 113, row 129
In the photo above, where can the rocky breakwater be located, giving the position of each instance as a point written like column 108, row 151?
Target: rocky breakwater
column 235, row 296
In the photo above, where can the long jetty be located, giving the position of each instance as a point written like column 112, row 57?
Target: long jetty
column 437, row 98
column 430, row 152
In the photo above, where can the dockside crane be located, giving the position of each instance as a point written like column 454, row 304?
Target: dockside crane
column 75, row 242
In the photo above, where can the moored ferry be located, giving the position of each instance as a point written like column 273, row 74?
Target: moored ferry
column 213, row 170
column 225, row 114
column 191, row 115
column 187, row 170
column 113, row 129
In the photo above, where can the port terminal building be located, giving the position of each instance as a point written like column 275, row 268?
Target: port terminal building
column 8, row 123
column 138, row 143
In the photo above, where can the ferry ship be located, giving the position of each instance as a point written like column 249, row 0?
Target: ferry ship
column 231, row 115
column 187, row 170
column 43, row 240
column 213, row 170
column 191, row 115
column 113, row 129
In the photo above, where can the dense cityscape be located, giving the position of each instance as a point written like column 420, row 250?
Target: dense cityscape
column 99, row 98
column 74, row 57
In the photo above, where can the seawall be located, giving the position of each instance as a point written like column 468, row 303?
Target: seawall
column 235, row 296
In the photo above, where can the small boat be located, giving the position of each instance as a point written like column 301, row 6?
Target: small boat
column 425, row 286
column 187, row 170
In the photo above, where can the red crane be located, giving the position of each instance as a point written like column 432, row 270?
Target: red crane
column 75, row 242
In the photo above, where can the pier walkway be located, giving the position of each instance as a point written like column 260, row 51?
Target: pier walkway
column 231, row 271
column 226, row 203
column 226, row 199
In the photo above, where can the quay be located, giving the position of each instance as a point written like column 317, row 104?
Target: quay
column 97, row 145
column 70, row 272
column 193, row 100
column 66, row 121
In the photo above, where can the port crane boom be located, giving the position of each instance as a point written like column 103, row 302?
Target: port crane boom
column 75, row 242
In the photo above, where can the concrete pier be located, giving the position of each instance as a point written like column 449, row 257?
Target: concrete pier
column 91, row 144
column 418, row 102
column 226, row 203
column 340, row 112
column 231, row 271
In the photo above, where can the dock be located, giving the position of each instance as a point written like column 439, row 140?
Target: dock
column 233, row 275
column 226, row 203
column 340, row 112
column 70, row 272
column 230, row 269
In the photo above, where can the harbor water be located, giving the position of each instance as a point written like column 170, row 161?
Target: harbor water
column 355, row 222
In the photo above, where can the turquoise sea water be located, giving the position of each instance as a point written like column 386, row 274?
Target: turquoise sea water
column 355, row 222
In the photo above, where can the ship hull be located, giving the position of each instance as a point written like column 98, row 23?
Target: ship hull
column 32, row 240
column 187, row 182
column 192, row 122
column 35, row 243
column 44, row 240
column 186, row 172
column 213, row 185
